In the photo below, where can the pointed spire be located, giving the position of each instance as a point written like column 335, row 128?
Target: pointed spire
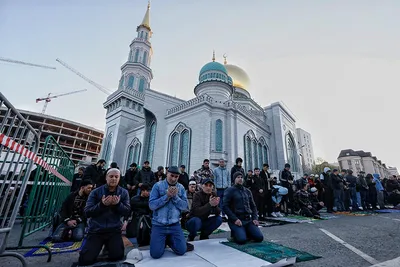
column 225, row 61
column 146, row 19
column 213, row 58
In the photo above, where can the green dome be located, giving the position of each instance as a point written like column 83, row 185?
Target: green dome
column 213, row 66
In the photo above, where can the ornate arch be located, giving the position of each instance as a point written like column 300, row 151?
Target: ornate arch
column 108, row 147
column 179, row 145
column 133, row 152
column 219, row 135
column 291, row 151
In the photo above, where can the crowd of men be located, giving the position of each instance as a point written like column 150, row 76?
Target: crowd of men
column 156, row 207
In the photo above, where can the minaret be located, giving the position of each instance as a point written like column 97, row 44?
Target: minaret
column 125, row 106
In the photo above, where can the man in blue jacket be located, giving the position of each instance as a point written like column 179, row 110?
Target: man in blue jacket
column 222, row 180
column 167, row 201
column 104, row 208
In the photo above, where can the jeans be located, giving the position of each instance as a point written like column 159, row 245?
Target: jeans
column 206, row 227
column 94, row 243
column 353, row 197
column 60, row 233
column 359, row 199
column 381, row 199
column 171, row 235
column 220, row 194
column 248, row 230
column 339, row 197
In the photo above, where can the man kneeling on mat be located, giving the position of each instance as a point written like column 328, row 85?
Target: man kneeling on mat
column 104, row 208
column 242, row 213
column 205, row 203
column 72, row 215
column 167, row 201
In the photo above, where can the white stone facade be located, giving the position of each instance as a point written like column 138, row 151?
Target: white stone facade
column 221, row 121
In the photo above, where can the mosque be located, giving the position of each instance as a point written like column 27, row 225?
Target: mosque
column 221, row 121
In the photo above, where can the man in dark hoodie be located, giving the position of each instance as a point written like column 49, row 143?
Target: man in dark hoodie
column 237, row 168
column 104, row 208
column 286, row 180
column 95, row 172
column 268, row 181
column 242, row 212
column 184, row 177
column 326, row 181
column 145, row 175
column 72, row 215
column 338, row 190
column 352, row 183
column 130, row 179
column 77, row 179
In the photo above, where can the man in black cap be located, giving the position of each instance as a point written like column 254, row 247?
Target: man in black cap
column 184, row 178
column 167, row 201
column 286, row 179
column 145, row 175
column 205, row 203
column 242, row 213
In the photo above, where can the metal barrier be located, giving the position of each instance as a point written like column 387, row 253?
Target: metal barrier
column 18, row 143
column 48, row 191
column 43, row 188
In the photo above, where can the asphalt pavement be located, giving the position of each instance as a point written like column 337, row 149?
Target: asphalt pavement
column 356, row 241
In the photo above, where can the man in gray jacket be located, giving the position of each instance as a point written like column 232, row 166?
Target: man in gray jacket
column 222, row 180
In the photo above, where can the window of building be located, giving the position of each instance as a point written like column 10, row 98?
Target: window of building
column 131, row 80
column 136, row 55
column 255, row 151
column 121, row 82
column 108, row 148
column 349, row 162
column 133, row 152
column 141, row 85
column 291, row 152
column 179, row 146
column 218, row 136
column 146, row 35
column 144, row 61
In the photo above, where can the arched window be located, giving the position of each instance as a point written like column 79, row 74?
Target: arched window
column 151, row 141
column 265, row 154
column 107, row 149
column 146, row 35
column 260, row 155
column 136, row 55
column 179, row 146
column 255, row 154
column 291, row 152
column 131, row 80
column 121, row 82
column 141, row 85
column 141, row 34
column 218, row 136
column 133, row 152
column 144, row 61
column 249, row 160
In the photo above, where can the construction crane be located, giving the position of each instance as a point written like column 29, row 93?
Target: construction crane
column 98, row 86
column 26, row 63
column 50, row 97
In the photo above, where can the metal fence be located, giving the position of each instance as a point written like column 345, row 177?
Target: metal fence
column 48, row 191
column 33, row 194
column 19, row 142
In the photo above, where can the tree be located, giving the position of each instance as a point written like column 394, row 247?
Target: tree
column 318, row 168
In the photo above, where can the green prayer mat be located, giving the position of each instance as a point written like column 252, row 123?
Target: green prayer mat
column 271, row 252
column 217, row 231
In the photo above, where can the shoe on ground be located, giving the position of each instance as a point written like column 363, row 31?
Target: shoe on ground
column 278, row 214
column 190, row 239
column 317, row 217
column 224, row 219
column 189, row 247
column 274, row 215
column 204, row 237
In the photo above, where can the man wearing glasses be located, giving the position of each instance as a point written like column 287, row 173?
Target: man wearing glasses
column 167, row 201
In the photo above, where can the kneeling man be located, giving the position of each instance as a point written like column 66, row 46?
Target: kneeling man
column 242, row 213
column 104, row 208
column 205, row 203
column 167, row 201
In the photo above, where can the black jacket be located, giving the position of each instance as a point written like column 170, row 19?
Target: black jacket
column 145, row 176
column 130, row 177
column 67, row 209
column 351, row 180
column 201, row 207
column 140, row 206
column 93, row 173
column 184, row 180
column 239, row 204
column 76, row 182
column 266, row 177
column 286, row 176
column 337, row 181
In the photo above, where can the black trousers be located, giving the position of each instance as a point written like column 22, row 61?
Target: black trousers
column 306, row 212
column 94, row 243
column 269, row 206
column 329, row 199
column 259, row 200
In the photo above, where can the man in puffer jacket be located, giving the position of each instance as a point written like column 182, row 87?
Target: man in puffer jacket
column 379, row 190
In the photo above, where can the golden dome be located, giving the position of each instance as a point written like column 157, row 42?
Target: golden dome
column 239, row 77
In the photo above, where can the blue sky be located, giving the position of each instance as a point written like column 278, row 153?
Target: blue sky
column 335, row 64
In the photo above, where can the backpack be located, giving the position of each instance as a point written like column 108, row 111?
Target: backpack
column 143, row 230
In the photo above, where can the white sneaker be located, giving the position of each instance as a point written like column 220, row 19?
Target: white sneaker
column 279, row 214
column 274, row 215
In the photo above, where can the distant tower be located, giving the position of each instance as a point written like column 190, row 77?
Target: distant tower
column 125, row 106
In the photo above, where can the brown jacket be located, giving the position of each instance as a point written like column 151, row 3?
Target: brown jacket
column 201, row 207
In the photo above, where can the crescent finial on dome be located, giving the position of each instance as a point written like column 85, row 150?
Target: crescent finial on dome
column 225, row 61
column 213, row 58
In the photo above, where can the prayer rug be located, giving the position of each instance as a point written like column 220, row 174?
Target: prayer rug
column 388, row 211
column 217, row 231
column 271, row 252
column 56, row 248
column 357, row 213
